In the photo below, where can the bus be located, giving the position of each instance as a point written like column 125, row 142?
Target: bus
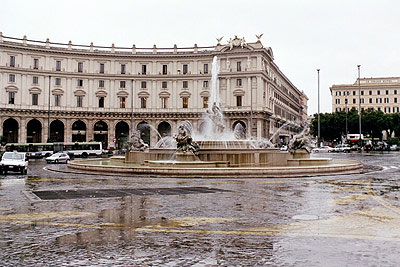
column 80, row 149
column 32, row 150
column 39, row 150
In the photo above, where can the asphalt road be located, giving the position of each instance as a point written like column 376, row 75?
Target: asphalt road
column 50, row 218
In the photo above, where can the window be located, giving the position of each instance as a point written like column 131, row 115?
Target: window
column 205, row 84
column 185, row 68
column 121, row 84
column 122, row 102
column 239, row 66
column 205, row 102
column 164, row 69
column 35, row 98
column 379, row 108
column 36, row 63
column 395, row 109
column 80, row 66
column 386, row 99
column 185, row 101
column 57, row 100
column 346, row 101
column 378, row 92
column 395, row 100
column 144, row 69
column 354, row 101
column 362, row 92
column 79, row 101
column 370, row 92
column 143, row 101
column 164, row 85
column 11, row 78
column 12, row 61
column 337, row 109
column 101, row 101
column 185, row 84
column 101, row 67
column 354, row 92
column 35, row 79
column 123, row 68
column 361, row 100
column 58, row 65
column 337, row 101
column 379, row 100
column 164, row 102
column 239, row 82
column 80, row 83
column 144, row 85
column 370, row 100
column 58, row 81
column 387, row 109
column 395, row 92
column 101, row 83
column 205, row 68
column 238, row 100
column 387, row 92
column 11, row 97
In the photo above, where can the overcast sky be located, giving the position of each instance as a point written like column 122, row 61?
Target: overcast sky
column 334, row 36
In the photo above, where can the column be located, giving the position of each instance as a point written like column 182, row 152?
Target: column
column 111, row 133
column 68, row 130
column 22, row 131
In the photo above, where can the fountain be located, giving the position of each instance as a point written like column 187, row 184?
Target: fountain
column 219, row 152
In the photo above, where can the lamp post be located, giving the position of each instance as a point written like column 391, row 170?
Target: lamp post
column 359, row 104
column 319, row 124
column 345, row 102
column 48, row 114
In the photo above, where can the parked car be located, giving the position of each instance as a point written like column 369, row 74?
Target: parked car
column 14, row 161
column 394, row 148
column 58, row 158
column 322, row 149
column 284, row 148
column 342, row 148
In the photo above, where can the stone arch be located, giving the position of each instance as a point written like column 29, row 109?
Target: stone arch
column 100, row 132
column 79, row 131
column 56, row 131
column 121, row 134
column 202, row 127
column 238, row 121
column 10, row 130
column 164, row 129
column 34, row 131
column 144, row 129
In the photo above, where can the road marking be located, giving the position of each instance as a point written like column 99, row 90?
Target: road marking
column 380, row 200
column 346, row 189
column 46, row 215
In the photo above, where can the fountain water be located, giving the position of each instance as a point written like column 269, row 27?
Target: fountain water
column 222, row 152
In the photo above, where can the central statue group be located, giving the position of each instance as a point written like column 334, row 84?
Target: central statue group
column 185, row 143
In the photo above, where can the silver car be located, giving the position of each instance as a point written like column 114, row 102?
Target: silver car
column 58, row 158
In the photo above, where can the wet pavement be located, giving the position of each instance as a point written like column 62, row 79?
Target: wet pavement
column 348, row 220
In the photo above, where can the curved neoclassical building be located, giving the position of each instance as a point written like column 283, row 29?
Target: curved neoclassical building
column 67, row 92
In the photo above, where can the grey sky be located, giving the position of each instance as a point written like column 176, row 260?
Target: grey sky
column 334, row 36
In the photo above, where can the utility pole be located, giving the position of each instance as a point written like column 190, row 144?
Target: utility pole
column 319, row 123
column 48, row 114
column 359, row 103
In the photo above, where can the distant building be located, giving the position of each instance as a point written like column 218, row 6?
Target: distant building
column 67, row 92
column 375, row 93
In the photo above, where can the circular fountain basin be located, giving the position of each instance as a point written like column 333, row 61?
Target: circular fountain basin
column 196, row 170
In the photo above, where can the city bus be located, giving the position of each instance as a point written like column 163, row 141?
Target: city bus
column 39, row 150
column 32, row 150
column 80, row 149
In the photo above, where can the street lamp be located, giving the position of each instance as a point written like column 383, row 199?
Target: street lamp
column 359, row 104
column 319, row 124
column 48, row 114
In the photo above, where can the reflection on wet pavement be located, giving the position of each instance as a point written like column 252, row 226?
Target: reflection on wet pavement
column 349, row 220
